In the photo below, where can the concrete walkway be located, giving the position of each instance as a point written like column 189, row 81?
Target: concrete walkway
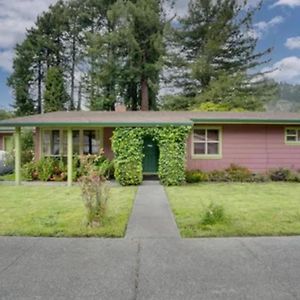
column 151, row 216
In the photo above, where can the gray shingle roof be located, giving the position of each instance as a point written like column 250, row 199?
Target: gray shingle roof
column 130, row 118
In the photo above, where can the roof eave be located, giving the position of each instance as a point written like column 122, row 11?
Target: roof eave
column 93, row 124
column 247, row 121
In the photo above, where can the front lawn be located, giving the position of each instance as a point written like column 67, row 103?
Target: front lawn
column 250, row 209
column 59, row 211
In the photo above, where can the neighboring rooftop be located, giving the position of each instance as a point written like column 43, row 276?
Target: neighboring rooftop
column 150, row 118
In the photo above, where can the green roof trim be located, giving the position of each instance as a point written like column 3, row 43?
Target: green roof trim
column 246, row 121
column 108, row 124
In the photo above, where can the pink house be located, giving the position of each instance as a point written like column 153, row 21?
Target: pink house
column 258, row 141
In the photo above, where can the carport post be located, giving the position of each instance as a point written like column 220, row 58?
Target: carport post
column 18, row 155
column 70, row 156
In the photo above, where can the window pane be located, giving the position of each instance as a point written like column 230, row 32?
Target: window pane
column 55, row 142
column 212, row 148
column 65, row 142
column 213, row 135
column 46, row 137
column 90, row 143
column 298, row 135
column 199, row 148
column 199, row 135
column 46, row 142
column 291, row 132
column 291, row 138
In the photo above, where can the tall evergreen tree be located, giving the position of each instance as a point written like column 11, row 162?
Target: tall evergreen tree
column 21, row 79
column 55, row 95
column 214, row 44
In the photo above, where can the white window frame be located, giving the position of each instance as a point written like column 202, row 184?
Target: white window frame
column 206, row 155
column 295, row 143
column 99, row 138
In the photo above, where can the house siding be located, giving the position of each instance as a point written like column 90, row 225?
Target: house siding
column 108, row 133
column 257, row 147
column 2, row 135
column 37, row 148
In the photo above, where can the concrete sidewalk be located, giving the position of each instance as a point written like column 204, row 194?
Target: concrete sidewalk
column 158, row 269
column 151, row 216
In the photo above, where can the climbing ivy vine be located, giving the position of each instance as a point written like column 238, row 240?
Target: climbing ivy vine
column 127, row 144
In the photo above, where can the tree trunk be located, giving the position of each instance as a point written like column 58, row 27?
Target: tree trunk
column 40, row 78
column 145, row 94
column 72, row 107
column 79, row 97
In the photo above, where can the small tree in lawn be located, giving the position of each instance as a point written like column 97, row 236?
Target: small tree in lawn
column 55, row 95
column 95, row 194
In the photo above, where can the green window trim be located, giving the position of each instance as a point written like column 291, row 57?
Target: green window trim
column 292, row 136
column 63, row 141
column 206, row 142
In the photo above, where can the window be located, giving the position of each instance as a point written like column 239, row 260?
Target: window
column 292, row 135
column 90, row 142
column 206, row 142
column 55, row 142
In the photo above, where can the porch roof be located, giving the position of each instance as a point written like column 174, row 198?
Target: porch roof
column 159, row 118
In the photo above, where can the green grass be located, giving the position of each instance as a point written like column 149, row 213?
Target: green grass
column 7, row 177
column 250, row 209
column 59, row 211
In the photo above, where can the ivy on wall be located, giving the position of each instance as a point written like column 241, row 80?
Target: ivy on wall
column 127, row 144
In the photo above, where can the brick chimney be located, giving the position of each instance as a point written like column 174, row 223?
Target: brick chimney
column 120, row 107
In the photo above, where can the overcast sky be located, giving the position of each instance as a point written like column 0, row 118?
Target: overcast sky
column 276, row 25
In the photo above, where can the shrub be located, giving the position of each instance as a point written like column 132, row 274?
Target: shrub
column 95, row 194
column 213, row 214
column 45, row 168
column 196, row 176
column 218, row 176
column 29, row 171
column 259, row 178
column 280, row 174
column 238, row 173
column 294, row 177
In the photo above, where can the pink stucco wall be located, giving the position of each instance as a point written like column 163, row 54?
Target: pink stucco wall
column 257, row 147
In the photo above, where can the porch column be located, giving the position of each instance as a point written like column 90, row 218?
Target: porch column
column 70, row 156
column 18, row 155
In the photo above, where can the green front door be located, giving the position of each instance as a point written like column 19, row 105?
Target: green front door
column 151, row 155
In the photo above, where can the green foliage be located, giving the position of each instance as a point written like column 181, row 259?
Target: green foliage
column 95, row 194
column 280, row 174
column 213, row 214
column 127, row 144
column 238, row 173
column 29, row 171
column 233, row 173
column 172, row 148
column 55, row 95
column 55, row 169
column 217, row 57
column 27, row 145
column 196, row 176
column 218, row 176
column 45, row 168
column 4, row 114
